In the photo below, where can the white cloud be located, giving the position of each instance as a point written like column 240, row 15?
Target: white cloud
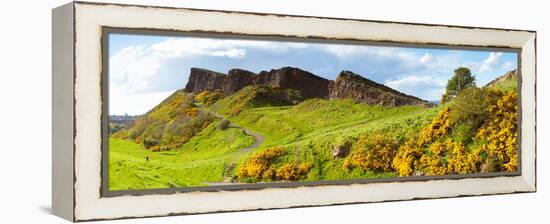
column 137, row 65
column 232, row 53
column 491, row 63
column 399, row 58
column 426, row 58
column 425, row 87
column 508, row 65
column 134, row 68
column 346, row 51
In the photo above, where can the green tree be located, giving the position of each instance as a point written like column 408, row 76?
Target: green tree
column 461, row 80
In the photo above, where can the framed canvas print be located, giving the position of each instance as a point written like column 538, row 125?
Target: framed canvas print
column 169, row 111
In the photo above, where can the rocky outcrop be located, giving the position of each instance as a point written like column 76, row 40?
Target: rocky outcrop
column 238, row 79
column 347, row 85
column 310, row 85
column 340, row 151
column 351, row 85
column 202, row 79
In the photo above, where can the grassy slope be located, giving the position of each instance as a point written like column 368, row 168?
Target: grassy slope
column 507, row 85
column 186, row 166
column 311, row 128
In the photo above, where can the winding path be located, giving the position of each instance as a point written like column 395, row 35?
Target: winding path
column 258, row 138
column 228, row 170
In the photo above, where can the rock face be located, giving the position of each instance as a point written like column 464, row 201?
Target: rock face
column 340, row 151
column 238, row 79
column 351, row 85
column 202, row 79
column 347, row 85
column 310, row 85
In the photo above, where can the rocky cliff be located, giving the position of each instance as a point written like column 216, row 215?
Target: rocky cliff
column 346, row 85
column 310, row 85
column 238, row 79
column 203, row 79
column 351, row 85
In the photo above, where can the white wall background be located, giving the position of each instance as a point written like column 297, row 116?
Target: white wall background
column 25, row 112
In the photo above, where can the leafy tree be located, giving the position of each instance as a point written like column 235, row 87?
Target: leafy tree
column 471, row 106
column 461, row 80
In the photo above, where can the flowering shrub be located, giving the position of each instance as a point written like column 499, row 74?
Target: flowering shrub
column 440, row 126
column 461, row 162
column 373, row 153
column 432, row 162
column 191, row 112
column 209, row 97
column 257, row 165
column 500, row 132
column 434, row 153
column 293, row 171
column 260, row 167
column 412, row 155
column 407, row 158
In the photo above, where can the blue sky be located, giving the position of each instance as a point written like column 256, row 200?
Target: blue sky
column 145, row 69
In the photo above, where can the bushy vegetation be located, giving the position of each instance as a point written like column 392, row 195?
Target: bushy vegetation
column 500, row 133
column 441, row 148
column 256, row 96
column 258, row 165
column 374, row 153
column 263, row 166
column 169, row 125
column 209, row 97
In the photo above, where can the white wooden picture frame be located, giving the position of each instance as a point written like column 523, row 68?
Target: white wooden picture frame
column 77, row 110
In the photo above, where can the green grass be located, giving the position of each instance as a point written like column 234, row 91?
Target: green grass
column 508, row 85
column 200, row 160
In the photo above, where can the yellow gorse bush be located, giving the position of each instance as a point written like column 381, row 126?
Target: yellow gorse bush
column 412, row 155
column 260, row 167
column 432, row 162
column 372, row 153
column 208, row 97
column 461, row 162
column 500, row 132
column 191, row 112
column 256, row 165
column 440, row 126
column 407, row 158
column 434, row 152
column 293, row 171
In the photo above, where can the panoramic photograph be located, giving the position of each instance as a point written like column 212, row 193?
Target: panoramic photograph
column 189, row 111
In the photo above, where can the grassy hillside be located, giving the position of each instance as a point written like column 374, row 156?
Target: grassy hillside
column 169, row 125
column 309, row 130
column 510, row 84
column 201, row 160
column 264, row 134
